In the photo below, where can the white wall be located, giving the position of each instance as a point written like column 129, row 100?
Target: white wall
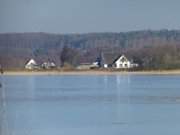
column 119, row 64
column 105, row 65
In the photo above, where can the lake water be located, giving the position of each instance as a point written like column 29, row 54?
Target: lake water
column 90, row 105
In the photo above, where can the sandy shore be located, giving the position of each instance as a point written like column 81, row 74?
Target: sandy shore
column 164, row 72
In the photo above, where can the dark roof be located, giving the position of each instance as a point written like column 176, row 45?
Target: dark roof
column 109, row 58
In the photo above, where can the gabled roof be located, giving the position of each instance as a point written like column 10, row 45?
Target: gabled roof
column 121, row 57
column 110, row 58
column 31, row 62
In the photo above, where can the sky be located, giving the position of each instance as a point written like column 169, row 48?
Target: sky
column 86, row 16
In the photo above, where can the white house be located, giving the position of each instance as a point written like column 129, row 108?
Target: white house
column 31, row 64
column 110, row 60
column 48, row 65
column 86, row 66
column 123, row 63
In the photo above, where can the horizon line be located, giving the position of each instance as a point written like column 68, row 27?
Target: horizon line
column 82, row 33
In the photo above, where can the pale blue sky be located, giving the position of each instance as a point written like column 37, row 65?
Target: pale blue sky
column 83, row 16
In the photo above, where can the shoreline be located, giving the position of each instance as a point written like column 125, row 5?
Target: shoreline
column 158, row 72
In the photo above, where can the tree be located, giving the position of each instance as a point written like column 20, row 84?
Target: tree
column 69, row 56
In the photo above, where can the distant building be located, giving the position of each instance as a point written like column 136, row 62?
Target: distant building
column 31, row 64
column 48, row 65
column 111, row 61
column 86, row 66
column 122, row 62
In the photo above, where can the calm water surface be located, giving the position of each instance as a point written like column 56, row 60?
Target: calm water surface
column 90, row 105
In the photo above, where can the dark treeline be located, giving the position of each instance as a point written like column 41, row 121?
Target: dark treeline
column 151, row 49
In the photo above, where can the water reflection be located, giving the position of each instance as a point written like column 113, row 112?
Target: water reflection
column 31, row 87
column 103, row 105
column 30, row 111
column 123, row 111
column 4, row 128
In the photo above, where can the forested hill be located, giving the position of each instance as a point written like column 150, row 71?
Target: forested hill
column 17, row 48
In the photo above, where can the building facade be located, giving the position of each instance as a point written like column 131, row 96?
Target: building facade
column 31, row 64
column 122, row 62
